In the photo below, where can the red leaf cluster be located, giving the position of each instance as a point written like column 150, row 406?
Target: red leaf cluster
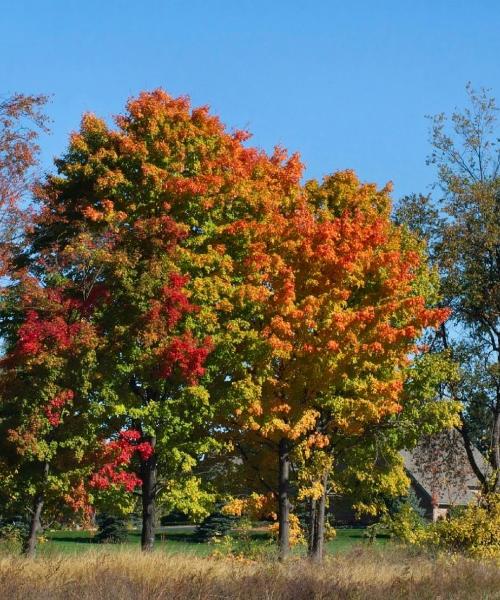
column 54, row 408
column 174, row 303
column 35, row 331
column 185, row 355
column 118, row 454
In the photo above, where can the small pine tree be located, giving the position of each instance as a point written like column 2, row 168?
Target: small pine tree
column 414, row 501
column 216, row 524
column 176, row 517
column 112, row 529
column 395, row 505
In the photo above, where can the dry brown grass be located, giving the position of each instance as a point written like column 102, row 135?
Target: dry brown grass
column 361, row 573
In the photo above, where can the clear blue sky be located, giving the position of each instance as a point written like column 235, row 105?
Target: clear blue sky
column 347, row 84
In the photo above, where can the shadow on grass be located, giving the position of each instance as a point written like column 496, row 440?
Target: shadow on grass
column 72, row 540
column 132, row 536
column 344, row 537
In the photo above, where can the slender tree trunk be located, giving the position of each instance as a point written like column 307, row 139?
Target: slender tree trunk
column 283, row 500
column 463, row 430
column 148, row 476
column 312, row 527
column 470, row 455
column 317, row 550
column 496, row 445
column 35, row 522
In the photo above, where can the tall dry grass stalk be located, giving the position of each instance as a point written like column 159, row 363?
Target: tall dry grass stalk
column 361, row 573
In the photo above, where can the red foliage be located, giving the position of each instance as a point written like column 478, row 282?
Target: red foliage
column 99, row 293
column 117, row 455
column 35, row 331
column 108, row 475
column 78, row 501
column 54, row 408
column 58, row 323
column 174, row 303
column 184, row 354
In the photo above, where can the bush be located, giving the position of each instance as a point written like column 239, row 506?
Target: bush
column 112, row 529
column 475, row 531
column 403, row 521
column 395, row 505
column 243, row 544
column 12, row 538
column 13, row 533
column 405, row 525
column 216, row 525
column 174, row 518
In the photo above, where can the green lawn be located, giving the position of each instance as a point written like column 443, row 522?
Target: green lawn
column 178, row 540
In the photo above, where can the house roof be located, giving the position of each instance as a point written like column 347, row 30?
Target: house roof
column 439, row 465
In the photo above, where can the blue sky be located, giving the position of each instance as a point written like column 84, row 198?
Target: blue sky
column 347, row 84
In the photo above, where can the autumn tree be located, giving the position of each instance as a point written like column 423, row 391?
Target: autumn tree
column 48, row 429
column 462, row 227
column 366, row 464
column 337, row 317
column 21, row 121
column 230, row 306
column 149, row 214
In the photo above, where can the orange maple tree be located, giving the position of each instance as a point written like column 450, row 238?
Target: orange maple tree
column 343, row 295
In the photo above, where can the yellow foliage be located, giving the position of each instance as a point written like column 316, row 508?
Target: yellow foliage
column 256, row 506
column 476, row 531
column 306, row 423
column 314, row 491
column 330, row 532
column 296, row 533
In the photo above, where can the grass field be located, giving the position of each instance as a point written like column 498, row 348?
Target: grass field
column 359, row 573
column 177, row 540
column 70, row 566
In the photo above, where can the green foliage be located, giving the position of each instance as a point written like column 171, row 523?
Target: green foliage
column 216, row 525
column 414, row 502
column 462, row 230
column 395, row 506
column 13, row 533
column 112, row 529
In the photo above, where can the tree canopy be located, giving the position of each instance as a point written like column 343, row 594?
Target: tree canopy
column 182, row 298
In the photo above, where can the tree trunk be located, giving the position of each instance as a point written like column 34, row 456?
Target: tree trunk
column 496, row 446
column 318, row 545
column 312, row 527
column 148, row 477
column 463, row 430
column 470, row 455
column 35, row 522
column 283, row 500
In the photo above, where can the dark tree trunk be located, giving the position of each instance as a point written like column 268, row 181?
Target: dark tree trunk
column 283, row 500
column 318, row 546
column 35, row 522
column 470, row 455
column 148, row 477
column 312, row 526
column 463, row 430
column 496, row 446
